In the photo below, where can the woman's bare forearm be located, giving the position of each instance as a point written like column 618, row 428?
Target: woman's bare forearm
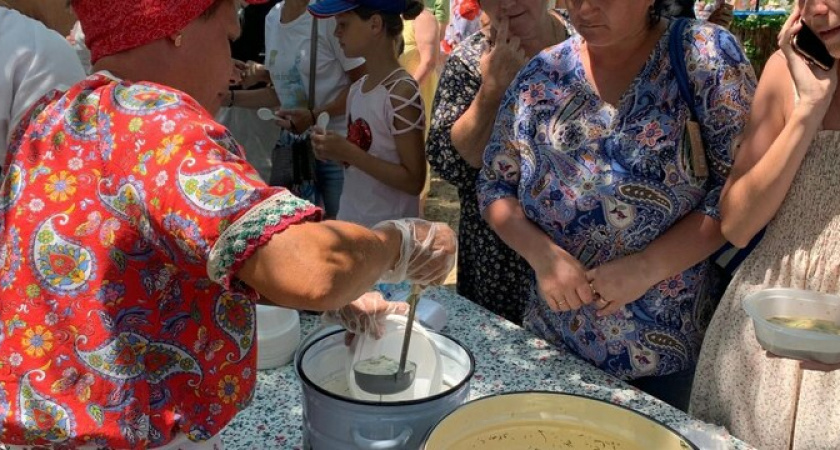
column 321, row 266
column 472, row 130
column 507, row 218
column 257, row 98
column 689, row 241
column 409, row 178
column 752, row 199
column 426, row 34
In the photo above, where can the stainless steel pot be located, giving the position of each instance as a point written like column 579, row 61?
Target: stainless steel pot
column 334, row 421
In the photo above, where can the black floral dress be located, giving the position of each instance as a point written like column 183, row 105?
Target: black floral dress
column 490, row 273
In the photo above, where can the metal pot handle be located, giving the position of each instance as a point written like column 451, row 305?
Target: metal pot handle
column 370, row 444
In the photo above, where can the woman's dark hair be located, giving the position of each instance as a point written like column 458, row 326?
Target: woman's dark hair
column 656, row 11
column 393, row 23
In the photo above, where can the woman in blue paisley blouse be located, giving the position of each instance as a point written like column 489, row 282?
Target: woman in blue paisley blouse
column 469, row 92
column 592, row 177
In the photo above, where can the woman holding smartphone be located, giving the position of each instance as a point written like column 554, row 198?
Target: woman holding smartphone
column 786, row 177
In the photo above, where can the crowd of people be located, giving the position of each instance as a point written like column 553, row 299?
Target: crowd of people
column 602, row 151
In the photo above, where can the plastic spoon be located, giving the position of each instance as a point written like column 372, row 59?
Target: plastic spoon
column 388, row 382
column 323, row 121
column 266, row 114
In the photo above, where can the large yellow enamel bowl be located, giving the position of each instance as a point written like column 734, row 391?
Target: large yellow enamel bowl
column 547, row 421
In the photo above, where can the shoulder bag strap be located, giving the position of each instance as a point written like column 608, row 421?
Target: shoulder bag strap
column 313, row 62
column 676, row 53
column 303, row 160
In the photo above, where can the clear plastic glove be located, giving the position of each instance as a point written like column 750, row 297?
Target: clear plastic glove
column 429, row 251
column 366, row 314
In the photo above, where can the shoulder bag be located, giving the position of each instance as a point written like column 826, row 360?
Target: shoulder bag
column 727, row 257
column 293, row 163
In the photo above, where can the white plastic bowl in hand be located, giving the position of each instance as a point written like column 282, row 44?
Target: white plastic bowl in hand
column 790, row 342
column 278, row 335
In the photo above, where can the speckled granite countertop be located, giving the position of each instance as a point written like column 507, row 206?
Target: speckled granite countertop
column 508, row 358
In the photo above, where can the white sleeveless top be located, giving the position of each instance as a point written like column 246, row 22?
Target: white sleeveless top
column 370, row 125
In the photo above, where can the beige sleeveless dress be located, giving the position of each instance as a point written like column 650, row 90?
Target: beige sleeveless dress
column 771, row 403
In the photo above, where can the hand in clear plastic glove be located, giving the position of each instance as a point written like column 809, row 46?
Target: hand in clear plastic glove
column 366, row 314
column 428, row 254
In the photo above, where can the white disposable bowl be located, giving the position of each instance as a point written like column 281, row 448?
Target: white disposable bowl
column 789, row 342
column 278, row 335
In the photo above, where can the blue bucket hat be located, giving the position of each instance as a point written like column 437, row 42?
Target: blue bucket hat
column 329, row 8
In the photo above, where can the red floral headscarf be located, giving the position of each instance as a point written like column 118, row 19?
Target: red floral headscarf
column 114, row 26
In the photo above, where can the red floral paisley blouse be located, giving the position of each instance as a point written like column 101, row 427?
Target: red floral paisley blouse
column 126, row 211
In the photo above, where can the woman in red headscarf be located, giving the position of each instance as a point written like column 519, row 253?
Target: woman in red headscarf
column 136, row 241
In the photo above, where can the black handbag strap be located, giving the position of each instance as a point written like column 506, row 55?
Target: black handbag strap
column 302, row 158
column 313, row 62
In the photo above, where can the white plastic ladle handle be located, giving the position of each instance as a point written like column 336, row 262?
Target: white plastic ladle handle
column 266, row 114
column 323, row 120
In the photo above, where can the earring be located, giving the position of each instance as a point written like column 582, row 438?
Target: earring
column 178, row 40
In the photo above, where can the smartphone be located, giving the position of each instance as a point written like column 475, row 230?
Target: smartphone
column 807, row 44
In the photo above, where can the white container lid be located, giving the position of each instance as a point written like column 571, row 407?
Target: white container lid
column 791, row 342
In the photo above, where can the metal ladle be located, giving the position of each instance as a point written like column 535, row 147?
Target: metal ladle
column 392, row 383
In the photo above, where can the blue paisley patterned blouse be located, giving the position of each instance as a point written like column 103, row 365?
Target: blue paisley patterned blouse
column 604, row 182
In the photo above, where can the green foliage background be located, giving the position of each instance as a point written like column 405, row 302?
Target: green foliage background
column 759, row 36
